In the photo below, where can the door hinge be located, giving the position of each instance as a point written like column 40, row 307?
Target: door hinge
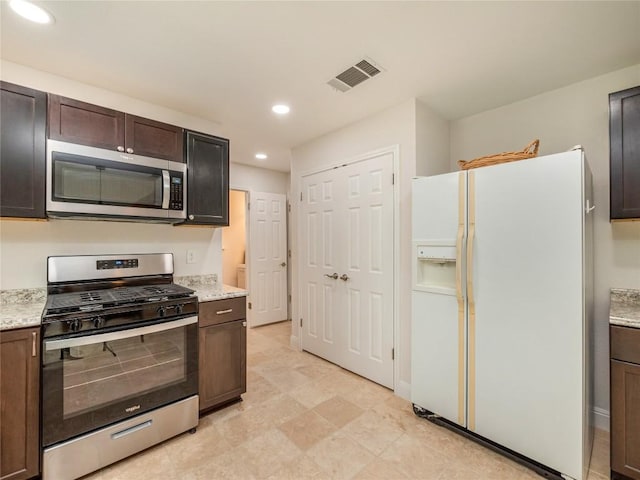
column 289, row 206
column 300, row 323
column 289, row 298
column 393, row 179
column 289, row 253
column 393, row 354
column 249, row 305
column 300, row 196
column 248, row 205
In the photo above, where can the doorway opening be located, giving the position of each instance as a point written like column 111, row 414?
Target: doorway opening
column 234, row 241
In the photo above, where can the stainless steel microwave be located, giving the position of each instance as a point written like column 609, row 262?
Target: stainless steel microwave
column 93, row 183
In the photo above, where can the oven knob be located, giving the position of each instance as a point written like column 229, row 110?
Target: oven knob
column 98, row 322
column 75, row 324
column 179, row 309
column 162, row 311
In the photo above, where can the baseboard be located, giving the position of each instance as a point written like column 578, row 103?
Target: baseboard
column 601, row 419
column 294, row 342
column 403, row 390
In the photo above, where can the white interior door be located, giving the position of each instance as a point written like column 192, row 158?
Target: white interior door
column 267, row 258
column 347, row 267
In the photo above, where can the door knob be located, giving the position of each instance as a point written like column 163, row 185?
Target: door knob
column 129, row 150
column 334, row 275
column 344, row 277
column 120, row 148
column 283, row 264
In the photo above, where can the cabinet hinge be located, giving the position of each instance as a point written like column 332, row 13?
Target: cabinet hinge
column 300, row 196
column 248, row 205
column 393, row 354
column 289, row 298
column 249, row 305
column 393, row 179
column 300, row 323
column 289, row 253
column 289, row 206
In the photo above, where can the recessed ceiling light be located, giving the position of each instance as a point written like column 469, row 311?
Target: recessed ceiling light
column 280, row 109
column 30, row 11
column 261, row 156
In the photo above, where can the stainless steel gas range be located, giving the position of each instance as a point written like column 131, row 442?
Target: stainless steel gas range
column 120, row 360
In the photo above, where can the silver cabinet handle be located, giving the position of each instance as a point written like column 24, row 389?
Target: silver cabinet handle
column 244, row 324
column 120, row 148
column 222, row 312
column 191, row 217
column 334, row 275
column 129, row 150
column 344, row 277
column 34, row 345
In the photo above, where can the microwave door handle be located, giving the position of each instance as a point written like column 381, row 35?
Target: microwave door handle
column 166, row 188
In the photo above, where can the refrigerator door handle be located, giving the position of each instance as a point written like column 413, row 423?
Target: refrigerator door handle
column 471, row 320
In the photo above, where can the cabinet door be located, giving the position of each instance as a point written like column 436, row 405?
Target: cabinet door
column 207, row 179
column 624, row 132
column 223, row 361
column 23, row 116
column 625, row 418
column 19, row 394
column 79, row 122
column 153, row 139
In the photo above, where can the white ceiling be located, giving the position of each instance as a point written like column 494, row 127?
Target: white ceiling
column 230, row 61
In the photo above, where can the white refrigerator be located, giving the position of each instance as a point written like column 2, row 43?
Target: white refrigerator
column 502, row 305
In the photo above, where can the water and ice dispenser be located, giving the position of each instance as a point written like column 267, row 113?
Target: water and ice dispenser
column 435, row 268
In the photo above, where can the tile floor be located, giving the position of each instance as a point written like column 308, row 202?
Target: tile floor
column 303, row 417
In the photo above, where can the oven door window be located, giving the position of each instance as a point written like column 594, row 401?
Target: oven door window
column 90, row 381
column 90, row 180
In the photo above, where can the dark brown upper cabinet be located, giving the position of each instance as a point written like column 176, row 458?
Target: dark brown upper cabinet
column 624, row 160
column 207, row 179
column 23, row 121
column 79, row 122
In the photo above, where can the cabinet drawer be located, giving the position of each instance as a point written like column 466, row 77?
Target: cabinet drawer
column 221, row 311
column 625, row 344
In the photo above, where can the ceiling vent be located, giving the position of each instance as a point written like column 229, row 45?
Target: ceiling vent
column 355, row 75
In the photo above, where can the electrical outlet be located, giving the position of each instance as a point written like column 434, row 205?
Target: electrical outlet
column 191, row 256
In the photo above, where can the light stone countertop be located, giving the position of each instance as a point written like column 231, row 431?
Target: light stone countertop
column 21, row 308
column 207, row 288
column 625, row 308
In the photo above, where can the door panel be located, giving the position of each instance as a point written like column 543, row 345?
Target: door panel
column 347, row 224
column 268, row 258
column 534, row 317
column 438, row 328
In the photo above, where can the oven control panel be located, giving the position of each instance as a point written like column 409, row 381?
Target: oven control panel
column 111, row 264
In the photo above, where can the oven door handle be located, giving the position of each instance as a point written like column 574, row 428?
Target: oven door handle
column 119, row 335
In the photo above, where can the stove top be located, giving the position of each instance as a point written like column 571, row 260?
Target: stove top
column 88, row 294
column 113, row 297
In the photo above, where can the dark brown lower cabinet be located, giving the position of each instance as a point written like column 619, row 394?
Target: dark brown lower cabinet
column 625, row 403
column 19, row 397
column 223, row 351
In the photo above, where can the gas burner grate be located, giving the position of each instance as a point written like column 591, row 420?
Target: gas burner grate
column 91, row 297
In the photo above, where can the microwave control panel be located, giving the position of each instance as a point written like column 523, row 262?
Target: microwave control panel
column 177, row 191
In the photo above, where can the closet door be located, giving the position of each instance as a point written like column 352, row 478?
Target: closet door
column 347, row 272
column 320, row 255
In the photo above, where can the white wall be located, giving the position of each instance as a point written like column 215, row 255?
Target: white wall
column 576, row 114
column 396, row 126
column 432, row 142
column 25, row 245
column 246, row 177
